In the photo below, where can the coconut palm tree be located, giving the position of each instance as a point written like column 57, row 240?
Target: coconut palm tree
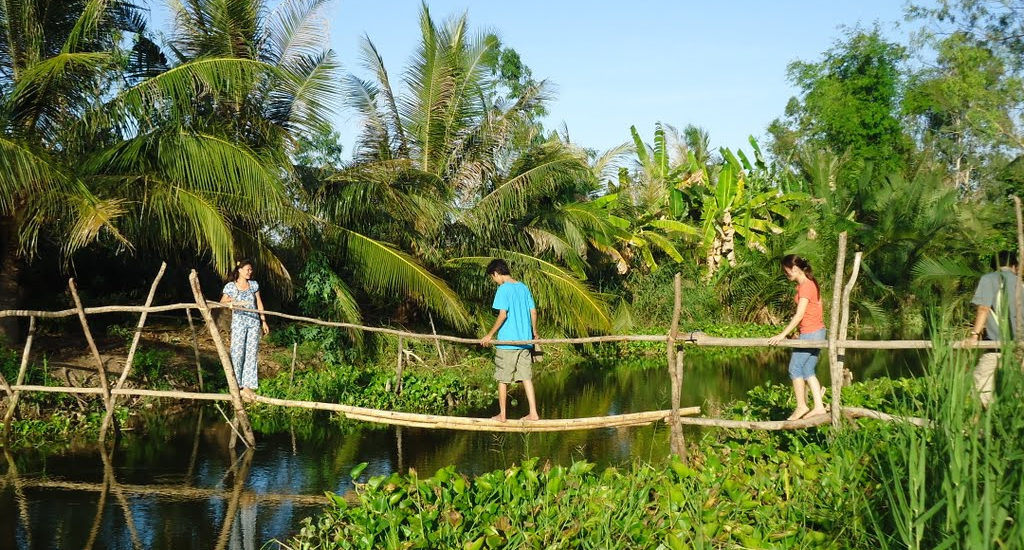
column 206, row 161
column 448, row 174
column 55, row 61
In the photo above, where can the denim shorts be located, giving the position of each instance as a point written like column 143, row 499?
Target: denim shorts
column 802, row 364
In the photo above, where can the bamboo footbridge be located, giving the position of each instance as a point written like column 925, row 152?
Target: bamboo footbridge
column 675, row 342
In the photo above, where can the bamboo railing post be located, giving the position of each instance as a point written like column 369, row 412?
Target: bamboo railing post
column 100, row 368
column 131, row 356
column 195, row 348
column 12, row 406
column 844, row 320
column 291, row 372
column 833, row 329
column 437, row 342
column 225, row 360
column 676, row 441
column 398, row 366
column 1018, row 298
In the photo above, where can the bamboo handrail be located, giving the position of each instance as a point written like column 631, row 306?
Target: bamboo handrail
column 696, row 338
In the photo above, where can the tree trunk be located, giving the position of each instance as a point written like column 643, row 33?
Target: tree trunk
column 10, row 270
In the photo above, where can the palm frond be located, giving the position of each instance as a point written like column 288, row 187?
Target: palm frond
column 385, row 270
column 560, row 297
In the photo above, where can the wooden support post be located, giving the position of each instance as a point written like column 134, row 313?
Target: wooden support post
column 844, row 320
column 399, row 364
column 195, row 348
column 131, row 356
column 1018, row 298
column 12, row 406
column 437, row 342
column 225, row 360
column 833, row 329
column 100, row 368
column 291, row 373
column 676, row 441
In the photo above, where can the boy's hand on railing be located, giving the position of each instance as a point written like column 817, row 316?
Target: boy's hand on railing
column 486, row 341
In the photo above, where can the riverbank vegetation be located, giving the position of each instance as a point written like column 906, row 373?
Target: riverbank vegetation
column 883, row 485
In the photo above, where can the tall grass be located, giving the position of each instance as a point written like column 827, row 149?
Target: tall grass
column 959, row 483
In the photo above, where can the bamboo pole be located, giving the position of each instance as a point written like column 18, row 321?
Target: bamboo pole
column 833, row 329
column 806, row 422
column 696, row 339
column 225, row 360
column 195, row 348
column 1018, row 298
column 12, row 405
column 714, row 341
column 398, row 367
column 131, row 356
column 59, row 389
column 100, row 368
column 437, row 342
column 676, row 441
column 844, row 320
column 291, row 372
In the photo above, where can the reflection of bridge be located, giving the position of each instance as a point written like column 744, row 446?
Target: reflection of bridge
column 675, row 416
column 234, row 494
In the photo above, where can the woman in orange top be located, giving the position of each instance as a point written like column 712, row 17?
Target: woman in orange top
column 810, row 317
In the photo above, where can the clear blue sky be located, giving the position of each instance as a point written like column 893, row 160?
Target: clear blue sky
column 719, row 65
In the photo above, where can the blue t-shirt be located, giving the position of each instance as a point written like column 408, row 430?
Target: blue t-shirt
column 517, row 301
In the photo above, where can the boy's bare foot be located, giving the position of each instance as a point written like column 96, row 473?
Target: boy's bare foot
column 817, row 411
column 798, row 414
column 499, row 417
column 531, row 417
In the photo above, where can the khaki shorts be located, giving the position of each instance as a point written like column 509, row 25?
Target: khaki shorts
column 512, row 365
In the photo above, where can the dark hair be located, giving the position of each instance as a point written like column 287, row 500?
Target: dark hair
column 792, row 260
column 498, row 266
column 1006, row 258
column 238, row 267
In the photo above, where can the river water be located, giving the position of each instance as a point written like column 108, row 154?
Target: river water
column 180, row 486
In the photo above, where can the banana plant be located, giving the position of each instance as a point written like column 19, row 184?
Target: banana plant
column 732, row 213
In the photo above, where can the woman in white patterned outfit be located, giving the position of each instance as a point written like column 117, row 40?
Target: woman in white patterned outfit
column 242, row 291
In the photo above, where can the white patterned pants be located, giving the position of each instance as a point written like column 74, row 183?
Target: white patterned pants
column 244, row 344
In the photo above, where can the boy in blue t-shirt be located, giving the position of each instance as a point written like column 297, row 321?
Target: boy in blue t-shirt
column 517, row 320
